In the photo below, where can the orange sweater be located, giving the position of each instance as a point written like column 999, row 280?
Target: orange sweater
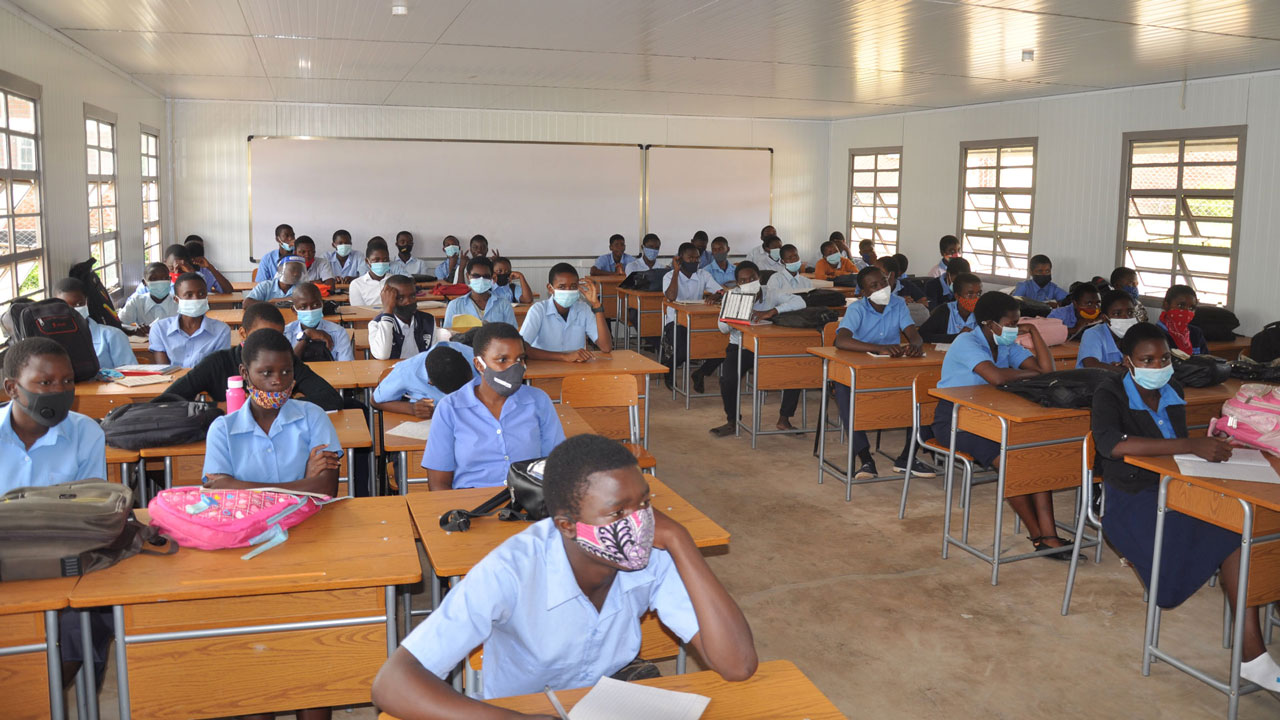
column 824, row 271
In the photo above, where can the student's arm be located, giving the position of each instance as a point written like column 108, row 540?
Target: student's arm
column 315, row 389
column 120, row 349
column 380, row 336
column 1113, row 443
column 591, row 293
column 440, row 458
column 160, row 357
column 224, row 285
column 155, row 345
column 91, row 452
column 321, row 476
column 343, row 349
column 526, row 294
column 673, row 281
column 846, row 341
column 422, row 409
column 1043, row 361
column 550, row 430
column 915, row 344
column 408, row 691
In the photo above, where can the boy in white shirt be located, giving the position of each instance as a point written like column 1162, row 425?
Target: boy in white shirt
column 789, row 279
column 315, row 269
column 143, row 309
column 366, row 290
column 648, row 259
column 405, row 263
column 685, row 283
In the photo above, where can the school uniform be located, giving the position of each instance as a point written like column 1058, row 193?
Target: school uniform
column 268, row 266
column 267, row 290
column 209, row 376
column 763, row 260
column 409, row 380
column 968, row 351
column 512, row 291
column 545, row 329
column 824, row 270
column 390, row 337
column 1066, row 313
column 320, row 271
column 352, row 266
column 236, row 445
column 365, row 291
column 606, row 262
column 906, row 288
column 111, row 345
column 1099, row 343
column 725, row 276
column 731, row 373
column 1193, row 549
column 142, row 309
column 343, row 349
column 939, row 270
column 878, row 327
column 691, row 288
column 784, row 281
column 1199, row 345
column 412, row 266
column 945, row 323
column 478, row 448
column 1030, row 290
column 443, row 273
column 639, row 265
column 937, row 292
column 497, row 309
column 523, row 603
column 187, row 350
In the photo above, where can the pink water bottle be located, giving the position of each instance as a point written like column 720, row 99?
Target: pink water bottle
column 235, row 393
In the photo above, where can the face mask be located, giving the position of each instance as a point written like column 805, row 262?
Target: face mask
column 502, row 280
column 159, row 288
column 967, row 304
column 47, row 409
column 720, row 258
column 752, row 287
column 1132, row 290
column 1153, row 378
column 268, row 400
column 451, row 250
column 1007, row 336
column 286, row 248
column 1177, row 320
column 626, row 542
column 868, row 258
column 405, row 312
column 193, row 308
column 405, row 252
column 1090, row 314
column 311, row 318
column 882, row 296
column 650, row 253
column 344, row 250
column 380, row 268
column 1042, row 280
column 480, row 286
column 689, row 268
column 506, row 382
column 792, row 267
column 1120, row 326
column 833, row 259
column 566, row 298
column 84, row 311
column 776, row 253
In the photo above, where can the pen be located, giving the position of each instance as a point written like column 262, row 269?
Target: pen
column 555, row 701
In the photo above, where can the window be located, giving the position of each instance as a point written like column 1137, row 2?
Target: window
column 1179, row 220
column 21, row 233
column 874, row 182
column 104, row 234
column 150, row 145
column 997, row 189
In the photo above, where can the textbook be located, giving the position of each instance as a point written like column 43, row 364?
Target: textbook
column 140, row 380
column 617, row 700
column 157, row 369
column 737, row 308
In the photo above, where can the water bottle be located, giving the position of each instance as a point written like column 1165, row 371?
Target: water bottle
column 235, row 393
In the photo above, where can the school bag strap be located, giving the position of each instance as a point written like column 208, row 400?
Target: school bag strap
column 1060, row 389
column 460, row 520
column 520, row 501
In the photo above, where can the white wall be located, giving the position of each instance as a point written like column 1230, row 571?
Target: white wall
column 1078, row 172
column 68, row 79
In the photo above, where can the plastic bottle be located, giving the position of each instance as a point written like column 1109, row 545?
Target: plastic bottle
column 235, row 393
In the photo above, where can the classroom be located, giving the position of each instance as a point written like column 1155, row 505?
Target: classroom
column 722, row 359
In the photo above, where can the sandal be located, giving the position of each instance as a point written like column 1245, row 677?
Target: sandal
column 1038, row 544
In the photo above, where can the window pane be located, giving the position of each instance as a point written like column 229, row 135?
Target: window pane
column 980, row 201
column 1211, row 150
column 1017, row 157
column 29, row 276
column 110, row 248
column 106, row 135
column 1162, row 151
column 95, row 221
column 864, row 162
column 93, row 161
column 22, row 153
column 26, row 233
column 1017, row 201
column 1211, row 207
column 26, row 197
column 90, row 132
column 22, row 115
column 108, row 219
column 887, row 179
column 1209, row 177
column 980, row 178
column 1016, row 177
column 152, row 167
column 4, row 200
column 862, row 214
column 4, row 152
column 890, row 161
column 108, row 193
column 5, row 248
column 4, row 114
column 93, row 194
column 980, row 158
column 1152, row 206
column 1154, row 178
column 864, row 179
column 108, row 163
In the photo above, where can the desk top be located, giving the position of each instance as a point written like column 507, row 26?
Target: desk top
column 116, row 455
column 347, row 374
column 350, row 424
column 232, row 298
column 993, row 400
column 354, row 314
column 358, row 542
column 613, row 279
column 456, row 553
column 242, row 285
column 618, row 362
column 1261, row 494
column 23, row 596
column 1230, row 348
column 861, row 360
column 777, row 331
column 640, row 293
column 94, row 387
column 521, row 309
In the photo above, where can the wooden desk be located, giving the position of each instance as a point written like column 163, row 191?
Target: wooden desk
column 30, row 664
column 126, row 459
column 353, row 315
column 352, row 374
column 1064, row 355
column 781, row 362
column 699, row 323
column 96, row 399
column 360, row 342
column 1230, row 349
column 226, row 300
column 648, row 307
column 234, row 317
column 548, row 374
column 243, row 285
column 340, row 298
column 306, row 624
column 1251, row 509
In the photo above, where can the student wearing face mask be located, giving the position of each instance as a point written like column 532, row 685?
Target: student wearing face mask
column 941, row 290
column 109, row 343
column 402, row 330
column 949, row 249
column 345, row 264
column 1083, row 310
column 366, row 290
column 648, row 259
column 722, row 271
column 448, row 268
column 1099, row 345
column 789, row 279
column 991, row 355
column 560, row 603
column 1176, row 314
column 867, row 251
column 615, row 261
column 509, row 283
column 1126, row 279
column 558, row 328
column 833, row 263
column 480, row 302
column 404, row 263
column 187, row 337
column 157, row 301
column 686, row 283
column 762, row 255
column 477, row 247
column 1040, row 285
column 952, row 318
column 701, row 240
column 311, row 328
column 479, row 430
column 315, row 269
column 269, row 266
column 291, row 270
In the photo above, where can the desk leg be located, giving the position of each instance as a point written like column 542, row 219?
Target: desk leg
column 949, row 482
column 822, row 422
column 54, row 659
column 848, row 457
column 168, row 472
column 402, row 471
column 374, row 413
column 995, row 547
column 1151, row 636
column 392, row 628
column 645, row 442
column 87, row 670
column 351, row 473
column 122, row 666
column 435, row 591
column 688, row 363
column 755, row 396
column 1242, row 596
column 737, row 400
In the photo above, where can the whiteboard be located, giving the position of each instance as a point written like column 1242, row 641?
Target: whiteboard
column 725, row 191
column 528, row 199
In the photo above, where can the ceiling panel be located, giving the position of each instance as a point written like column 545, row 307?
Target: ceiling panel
column 338, row 59
column 173, row 53
column 209, row 87
column 1234, row 17
column 360, row 92
column 203, row 16
column 351, row 19
column 602, row 25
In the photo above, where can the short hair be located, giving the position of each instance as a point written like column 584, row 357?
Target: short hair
column 155, row 266
column 195, row 248
column 190, row 277
column 375, row 243
column 504, row 260
column 1141, row 332
column 560, row 269
column 70, row 285
column 902, row 262
column 957, row 265
column 746, row 265
column 264, row 340
column 193, row 238
column 402, row 281
column 478, row 260
column 866, row 273
column 402, row 233
column 651, row 236
column 789, row 248
column 767, row 227
column 282, row 227
column 945, row 242
column 889, row 265
column 447, row 369
column 304, row 240
column 826, row 244
column 964, row 279
column 1120, row 273
column 1177, row 291
column 769, row 240
column 489, row 332
column 836, row 234
column 1080, row 289
column 866, row 242
column 21, row 352
column 616, row 236
column 341, row 233
column 1112, row 297
column 1037, row 260
column 178, row 251
column 481, row 238
column 719, row 238
column 304, row 288
column 701, row 235
column 994, row 305
column 262, row 312
column 685, row 246
column 571, row 464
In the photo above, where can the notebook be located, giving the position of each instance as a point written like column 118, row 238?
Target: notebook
column 416, row 430
column 616, row 700
column 156, row 369
column 140, row 380
column 1245, row 464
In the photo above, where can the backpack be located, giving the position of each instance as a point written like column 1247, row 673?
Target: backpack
column 208, row 519
column 1265, row 346
column 648, row 280
column 1052, row 330
column 1200, row 371
column 454, row 290
column 850, row 280
column 69, row 529
column 823, row 297
column 1033, row 308
column 1060, row 389
column 1249, row 371
column 810, row 317
column 101, row 309
column 316, row 351
column 56, row 320
column 1251, row 418
column 521, row 499
column 1217, row 324
column 167, row 420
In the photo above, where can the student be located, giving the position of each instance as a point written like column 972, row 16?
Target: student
column 210, row 375
column 769, row 302
column 109, row 343
column 1098, row 347
column 722, row 271
column 700, row 241
column 510, row 284
column 218, row 283
column 940, row 290
column 837, row 237
column 312, row 327
column 901, row 261
column 414, row 388
column 346, row 265
column 789, row 279
column 1083, row 309
column 366, row 290
column 478, row 247
column 479, row 430
column 762, row 255
column 648, row 260
column 187, row 337
column 1126, row 279
column 315, row 269
column 177, row 258
column 991, row 355
column 405, row 263
column 874, row 325
column 615, row 261
column 156, row 302
column 1040, row 285
column 291, row 270
column 949, row 249
column 687, row 283
column 401, row 320
column 867, row 250
column 950, row 319
column 833, row 263
column 902, row 287
column 270, row 263
column 480, row 302
column 557, row 328
column 1176, row 313
column 560, row 603
column 447, row 270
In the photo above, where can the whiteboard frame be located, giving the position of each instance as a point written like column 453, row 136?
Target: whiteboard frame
column 644, row 214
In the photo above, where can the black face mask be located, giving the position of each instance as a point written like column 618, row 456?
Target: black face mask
column 47, row 409
column 404, row 312
column 405, row 252
column 689, row 268
column 1042, row 280
column 501, row 280
column 504, row 382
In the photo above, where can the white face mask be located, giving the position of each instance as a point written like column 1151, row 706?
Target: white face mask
column 882, row 296
column 752, row 287
column 1120, row 326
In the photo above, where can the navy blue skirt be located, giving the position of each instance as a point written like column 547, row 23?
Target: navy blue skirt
column 1193, row 549
column 979, row 448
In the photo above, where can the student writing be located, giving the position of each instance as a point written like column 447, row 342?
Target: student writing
column 186, row 338
column 480, row 302
column 1098, row 345
column 616, row 260
column 401, row 330
column 558, row 328
column 414, row 387
column 313, row 337
column 110, row 344
column 345, row 264
column 366, row 290
column 269, row 265
column 950, row 319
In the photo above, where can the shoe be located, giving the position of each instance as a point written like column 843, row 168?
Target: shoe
column 866, row 472
column 1263, row 671
column 1064, row 548
column 724, row 430
column 699, row 386
column 918, row 469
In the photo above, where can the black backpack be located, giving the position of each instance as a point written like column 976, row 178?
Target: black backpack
column 1217, row 324
column 56, row 320
column 101, row 309
column 646, row 280
column 1265, row 346
column 1200, row 371
column 824, row 297
column 521, row 499
column 1249, row 371
column 1060, row 389
column 1033, row 308
column 850, row 280
column 167, row 420
column 810, row 317
column 316, row 351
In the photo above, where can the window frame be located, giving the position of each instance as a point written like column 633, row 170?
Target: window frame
column 851, row 189
column 144, row 132
column 103, row 116
column 999, row 144
column 32, row 92
column 1237, row 195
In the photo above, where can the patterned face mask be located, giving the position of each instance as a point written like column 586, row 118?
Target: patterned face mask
column 626, row 542
column 269, row 400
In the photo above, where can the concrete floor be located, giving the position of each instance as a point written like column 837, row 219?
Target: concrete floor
column 867, row 607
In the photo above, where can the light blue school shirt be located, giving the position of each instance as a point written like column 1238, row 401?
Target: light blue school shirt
column 111, row 345
column 725, row 277
column 544, row 329
column 691, row 288
column 442, row 271
column 523, row 603
column 209, row 282
column 342, row 347
column 877, row 327
column 412, row 266
column 267, row 290
column 74, row 449
column 605, row 262
column 1099, row 343
column 187, row 350
column 968, row 351
column 1030, row 290
column 319, row 271
column 467, row 440
column 498, row 309
column 957, row 324
column 267, row 265
column 236, row 445
column 1066, row 313
column 705, row 259
column 409, row 379
column 352, row 266
column 513, row 292
column 784, row 280
column 1168, row 396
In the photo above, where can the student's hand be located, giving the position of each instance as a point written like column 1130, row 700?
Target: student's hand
column 320, row 336
column 913, row 350
column 760, row 315
column 715, row 298
column 516, row 276
column 201, row 262
column 424, row 408
column 321, row 461
column 667, row 532
column 1213, row 449
column 494, row 254
column 1028, row 329
column 892, row 350
column 1051, row 303
column 589, row 291
column 582, row 355
column 142, row 330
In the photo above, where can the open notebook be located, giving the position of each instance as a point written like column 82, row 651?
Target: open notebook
column 416, row 430
column 616, row 700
